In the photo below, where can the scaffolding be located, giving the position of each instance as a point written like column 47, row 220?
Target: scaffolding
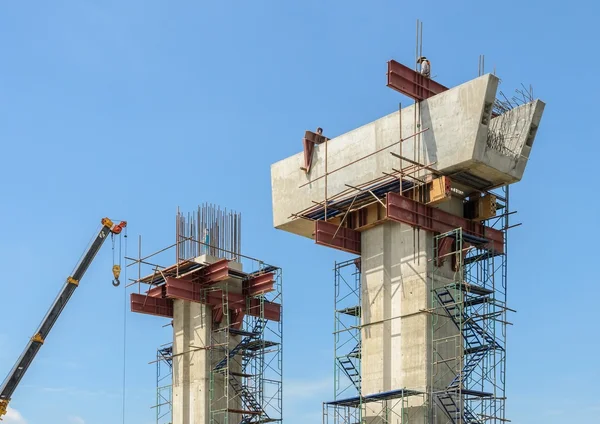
column 247, row 363
column 164, row 384
column 241, row 298
column 469, row 348
column 391, row 407
column 468, row 308
column 347, row 330
column 350, row 406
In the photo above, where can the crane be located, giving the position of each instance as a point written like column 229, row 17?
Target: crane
column 35, row 343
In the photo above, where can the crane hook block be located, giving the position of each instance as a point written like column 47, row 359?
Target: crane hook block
column 116, row 272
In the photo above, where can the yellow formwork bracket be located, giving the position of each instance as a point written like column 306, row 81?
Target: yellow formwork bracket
column 37, row 338
column 71, row 280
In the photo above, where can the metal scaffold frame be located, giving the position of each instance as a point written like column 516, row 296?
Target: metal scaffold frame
column 248, row 355
column 392, row 407
column 471, row 360
column 347, row 330
column 164, row 384
column 350, row 406
column 244, row 351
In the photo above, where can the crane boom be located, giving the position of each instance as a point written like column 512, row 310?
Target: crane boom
column 35, row 343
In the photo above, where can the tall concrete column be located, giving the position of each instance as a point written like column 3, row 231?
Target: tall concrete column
column 398, row 330
column 200, row 394
column 192, row 324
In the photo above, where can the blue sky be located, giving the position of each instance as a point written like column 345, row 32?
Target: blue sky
column 130, row 109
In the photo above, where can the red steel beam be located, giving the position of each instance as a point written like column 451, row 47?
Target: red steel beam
column 158, row 291
column 237, row 318
column 445, row 246
column 183, row 288
column 410, row 83
column 250, row 306
column 215, row 272
column 408, row 211
column 151, row 305
column 346, row 239
column 186, row 289
column 259, row 284
column 272, row 311
column 217, row 315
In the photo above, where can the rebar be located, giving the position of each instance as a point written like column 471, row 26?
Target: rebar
column 217, row 230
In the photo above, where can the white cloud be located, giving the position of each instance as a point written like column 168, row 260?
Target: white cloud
column 308, row 388
column 76, row 420
column 303, row 399
column 74, row 391
column 13, row 417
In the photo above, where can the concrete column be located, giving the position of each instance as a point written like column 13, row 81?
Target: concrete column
column 192, row 324
column 397, row 330
column 193, row 362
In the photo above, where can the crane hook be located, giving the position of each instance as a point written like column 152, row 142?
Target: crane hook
column 116, row 272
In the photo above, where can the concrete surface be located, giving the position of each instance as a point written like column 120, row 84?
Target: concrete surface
column 398, row 327
column 192, row 361
column 461, row 139
column 192, row 329
column 457, row 141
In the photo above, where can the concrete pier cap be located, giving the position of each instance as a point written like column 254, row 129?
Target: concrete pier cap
column 459, row 137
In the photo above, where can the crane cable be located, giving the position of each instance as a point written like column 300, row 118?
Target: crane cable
column 125, row 305
column 116, row 271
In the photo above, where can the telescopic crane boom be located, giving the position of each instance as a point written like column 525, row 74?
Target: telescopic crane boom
column 33, row 346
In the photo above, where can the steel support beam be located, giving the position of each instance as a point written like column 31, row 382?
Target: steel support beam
column 182, row 288
column 445, row 246
column 346, row 239
column 158, row 291
column 215, row 272
column 410, row 83
column 151, row 305
column 259, row 284
column 408, row 211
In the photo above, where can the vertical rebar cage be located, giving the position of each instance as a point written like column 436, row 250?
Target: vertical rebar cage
column 211, row 231
column 468, row 331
